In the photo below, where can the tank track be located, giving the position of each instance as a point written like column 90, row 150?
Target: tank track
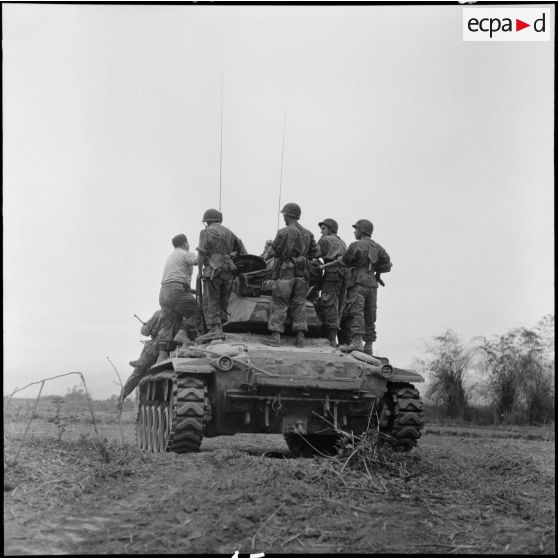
column 401, row 416
column 173, row 414
column 188, row 417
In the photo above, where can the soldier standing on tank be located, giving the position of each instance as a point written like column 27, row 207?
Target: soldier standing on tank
column 293, row 249
column 175, row 297
column 217, row 246
column 367, row 260
column 331, row 249
column 147, row 358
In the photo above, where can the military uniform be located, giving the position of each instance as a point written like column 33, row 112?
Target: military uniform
column 333, row 284
column 175, row 296
column 365, row 258
column 292, row 248
column 215, row 246
column 147, row 358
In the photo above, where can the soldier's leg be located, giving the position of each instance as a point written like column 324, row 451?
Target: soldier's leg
column 330, row 303
column 225, row 290
column 370, row 318
column 211, row 303
column 355, row 312
column 147, row 359
column 187, row 306
column 281, row 294
column 297, row 304
column 167, row 325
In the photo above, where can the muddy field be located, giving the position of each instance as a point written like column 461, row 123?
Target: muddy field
column 463, row 490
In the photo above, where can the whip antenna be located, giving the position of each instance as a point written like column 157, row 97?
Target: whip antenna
column 282, row 158
column 221, row 146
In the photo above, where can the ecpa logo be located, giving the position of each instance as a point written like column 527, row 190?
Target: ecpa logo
column 506, row 24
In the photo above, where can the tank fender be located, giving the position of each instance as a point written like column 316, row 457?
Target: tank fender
column 403, row 375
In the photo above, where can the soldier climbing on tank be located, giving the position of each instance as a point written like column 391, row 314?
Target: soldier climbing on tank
column 147, row 358
column 333, row 284
column 293, row 248
column 175, row 297
column 367, row 260
column 217, row 247
column 266, row 257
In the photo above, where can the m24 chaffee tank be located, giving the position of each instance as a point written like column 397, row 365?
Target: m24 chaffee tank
column 236, row 384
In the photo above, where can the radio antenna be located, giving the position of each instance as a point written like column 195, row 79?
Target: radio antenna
column 221, row 146
column 282, row 159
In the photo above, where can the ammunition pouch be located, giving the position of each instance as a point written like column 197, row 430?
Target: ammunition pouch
column 220, row 265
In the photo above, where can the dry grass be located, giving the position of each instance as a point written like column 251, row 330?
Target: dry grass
column 453, row 494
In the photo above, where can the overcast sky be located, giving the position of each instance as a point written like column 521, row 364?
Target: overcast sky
column 111, row 146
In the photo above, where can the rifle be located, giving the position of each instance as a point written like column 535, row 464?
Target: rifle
column 142, row 322
column 199, row 295
column 337, row 261
column 378, row 276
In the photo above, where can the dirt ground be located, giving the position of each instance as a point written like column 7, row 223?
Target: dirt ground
column 465, row 491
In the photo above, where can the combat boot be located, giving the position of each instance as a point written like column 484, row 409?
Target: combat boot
column 355, row 345
column 332, row 337
column 367, row 348
column 134, row 363
column 211, row 335
column 274, row 340
column 300, row 342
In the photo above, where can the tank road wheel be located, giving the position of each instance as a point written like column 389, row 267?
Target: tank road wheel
column 400, row 417
column 154, row 429
column 140, row 427
column 148, row 428
column 188, row 415
column 165, row 428
column 309, row 445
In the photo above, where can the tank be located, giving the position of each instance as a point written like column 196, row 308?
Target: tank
column 238, row 384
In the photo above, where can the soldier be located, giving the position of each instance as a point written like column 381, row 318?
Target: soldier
column 217, row 246
column 331, row 249
column 147, row 358
column 367, row 260
column 175, row 296
column 265, row 254
column 293, row 248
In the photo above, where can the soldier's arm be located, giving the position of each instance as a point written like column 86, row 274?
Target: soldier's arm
column 277, row 245
column 238, row 246
column 349, row 256
column 313, row 250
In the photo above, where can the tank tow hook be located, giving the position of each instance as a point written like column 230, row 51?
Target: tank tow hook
column 276, row 406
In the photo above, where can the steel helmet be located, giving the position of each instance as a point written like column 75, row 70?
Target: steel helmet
column 331, row 223
column 212, row 216
column 291, row 209
column 365, row 226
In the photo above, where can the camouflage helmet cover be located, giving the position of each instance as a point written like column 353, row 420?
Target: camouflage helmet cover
column 331, row 223
column 365, row 226
column 212, row 215
column 292, row 209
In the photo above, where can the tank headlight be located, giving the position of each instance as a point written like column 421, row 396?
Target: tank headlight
column 387, row 370
column 225, row 363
